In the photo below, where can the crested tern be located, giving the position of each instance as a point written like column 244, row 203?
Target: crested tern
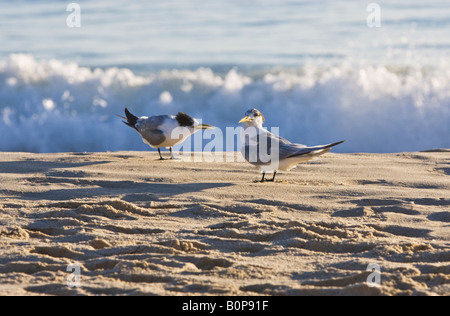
column 164, row 130
column 271, row 152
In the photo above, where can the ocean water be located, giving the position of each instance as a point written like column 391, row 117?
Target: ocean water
column 321, row 71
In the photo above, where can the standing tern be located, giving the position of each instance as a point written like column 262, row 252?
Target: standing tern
column 164, row 130
column 271, row 152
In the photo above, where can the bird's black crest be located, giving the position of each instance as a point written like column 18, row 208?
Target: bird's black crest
column 184, row 119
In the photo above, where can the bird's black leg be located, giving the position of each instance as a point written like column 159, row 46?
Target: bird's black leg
column 160, row 156
column 273, row 179
column 262, row 180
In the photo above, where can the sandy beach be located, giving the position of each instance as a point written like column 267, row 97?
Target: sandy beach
column 134, row 225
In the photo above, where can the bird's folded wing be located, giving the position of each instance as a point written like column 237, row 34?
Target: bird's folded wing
column 149, row 128
column 269, row 143
column 294, row 150
column 151, row 123
column 286, row 148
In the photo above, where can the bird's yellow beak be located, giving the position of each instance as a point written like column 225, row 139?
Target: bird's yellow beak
column 245, row 119
column 204, row 126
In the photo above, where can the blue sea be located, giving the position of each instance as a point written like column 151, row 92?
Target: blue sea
column 377, row 76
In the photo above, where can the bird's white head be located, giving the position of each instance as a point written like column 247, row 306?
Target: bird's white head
column 253, row 118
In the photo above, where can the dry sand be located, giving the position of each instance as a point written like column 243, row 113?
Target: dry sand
column 135, row 225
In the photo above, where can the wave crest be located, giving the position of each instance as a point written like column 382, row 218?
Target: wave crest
column 51, row 106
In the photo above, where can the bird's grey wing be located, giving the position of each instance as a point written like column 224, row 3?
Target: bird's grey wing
column 287, row 149
column 294, row 150
column 266, row 147
column 149, row 128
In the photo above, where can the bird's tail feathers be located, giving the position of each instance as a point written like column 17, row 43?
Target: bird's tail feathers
column 316, row 150
column 334, row 144
column 131, row 119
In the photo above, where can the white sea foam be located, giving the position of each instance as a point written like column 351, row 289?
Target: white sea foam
column 51, row 106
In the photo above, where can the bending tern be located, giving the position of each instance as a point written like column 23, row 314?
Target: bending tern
column 164, row 130
column 271, row 152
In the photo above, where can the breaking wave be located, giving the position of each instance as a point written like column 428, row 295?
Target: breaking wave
column 53, row 106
